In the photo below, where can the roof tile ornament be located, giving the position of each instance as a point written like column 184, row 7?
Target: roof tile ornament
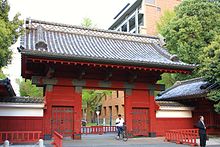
column 41, row 43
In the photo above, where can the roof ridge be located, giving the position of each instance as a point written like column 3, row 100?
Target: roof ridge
column 32, row 23
column 188, row 81
column 178, row 83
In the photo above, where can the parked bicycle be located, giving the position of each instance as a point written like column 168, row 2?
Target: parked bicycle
column 123, row 134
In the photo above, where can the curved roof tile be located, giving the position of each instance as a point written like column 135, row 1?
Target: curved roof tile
column 94, row 45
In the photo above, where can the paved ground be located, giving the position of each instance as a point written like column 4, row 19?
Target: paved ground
column 108, row 140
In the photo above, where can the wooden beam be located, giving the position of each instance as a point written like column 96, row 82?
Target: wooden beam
column 132, row 77
column 50, row 72
column 82, row 73
column 108, row 76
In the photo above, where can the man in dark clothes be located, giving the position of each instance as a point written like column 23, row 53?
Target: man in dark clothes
column 202, row 131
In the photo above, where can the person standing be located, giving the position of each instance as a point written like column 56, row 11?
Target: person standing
column 202, row 131
column 119, row 124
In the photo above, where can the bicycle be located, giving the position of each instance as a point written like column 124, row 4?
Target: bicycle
column 123, row 134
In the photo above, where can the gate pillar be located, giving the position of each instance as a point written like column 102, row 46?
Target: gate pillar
column 77, row 112
column 128, row 111
column 152, row 114
column 47, row 113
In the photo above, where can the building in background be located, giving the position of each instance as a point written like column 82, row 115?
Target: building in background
column 112, row 106
column 142, row 16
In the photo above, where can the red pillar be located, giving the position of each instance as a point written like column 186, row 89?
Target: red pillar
column 77, row 112
column 128, row 110
column 152, row 114
column 47, row 113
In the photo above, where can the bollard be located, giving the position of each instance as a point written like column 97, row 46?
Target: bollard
column 41, row 143
column 6, row 143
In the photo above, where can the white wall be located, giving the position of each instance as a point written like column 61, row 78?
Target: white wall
column 21, row 110
column 173, row 114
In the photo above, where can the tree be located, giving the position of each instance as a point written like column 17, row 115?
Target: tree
column 2, row 75
column 193, row 27
column 91, row 101
column 27, row 89
column 165, row 20
column 192, row 35
column 210, row 69
column 87, row 22
column 9, row 32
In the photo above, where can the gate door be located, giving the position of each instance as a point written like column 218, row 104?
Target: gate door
column 140, row 122
column 62, row 120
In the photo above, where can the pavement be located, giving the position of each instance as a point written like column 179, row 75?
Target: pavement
column 108, row 140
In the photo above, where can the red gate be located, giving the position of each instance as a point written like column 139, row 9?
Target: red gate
column 140, row 122
column 62, row 120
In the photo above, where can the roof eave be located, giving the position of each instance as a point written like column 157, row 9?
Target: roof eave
column 187, row 68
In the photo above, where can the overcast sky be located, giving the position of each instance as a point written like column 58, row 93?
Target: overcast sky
column 101, row 12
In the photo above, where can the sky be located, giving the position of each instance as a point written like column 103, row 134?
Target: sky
column 72, row 12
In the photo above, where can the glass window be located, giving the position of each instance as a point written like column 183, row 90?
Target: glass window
column 150, row 1
column 124, row 28
column 132, row 23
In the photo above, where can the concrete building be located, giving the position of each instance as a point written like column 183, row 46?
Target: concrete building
column 142, row 16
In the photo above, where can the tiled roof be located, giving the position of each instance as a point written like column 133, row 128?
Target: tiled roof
column 59, row 41
column 21, row 100
column 170, row 104
column 6, row 88
column 184, row 89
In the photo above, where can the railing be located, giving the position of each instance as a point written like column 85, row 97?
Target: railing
column 58, row 140
column 97, row 129
column 20, row 136
column 183, row 136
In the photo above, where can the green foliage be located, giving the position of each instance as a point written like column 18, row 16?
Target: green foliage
column 9, row 32
column 2, row 75
column 167, row 79
column 192, row 35
column 91, row 100
column 27, row 89
column 210, row 68
column 165, row 20
column 195, row 25
column 87, row 22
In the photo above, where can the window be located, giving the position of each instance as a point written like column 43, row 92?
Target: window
column 105, row 111
column 150, row 1
column 132, row 23
column 116, row 107
column 117, row 92
column 124, row 28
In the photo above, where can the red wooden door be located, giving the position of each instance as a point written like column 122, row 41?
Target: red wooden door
column 140, row 122
column 62, row 120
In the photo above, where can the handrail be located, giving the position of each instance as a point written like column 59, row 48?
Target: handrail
column 185, row 136
column 20, row 136
column 58, row 139
column 97, row 129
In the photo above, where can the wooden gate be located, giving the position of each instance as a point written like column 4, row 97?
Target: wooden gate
column 140, row 122
column 62, row 120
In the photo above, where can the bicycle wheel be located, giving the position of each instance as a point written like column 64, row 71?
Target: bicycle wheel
column 125, row 136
